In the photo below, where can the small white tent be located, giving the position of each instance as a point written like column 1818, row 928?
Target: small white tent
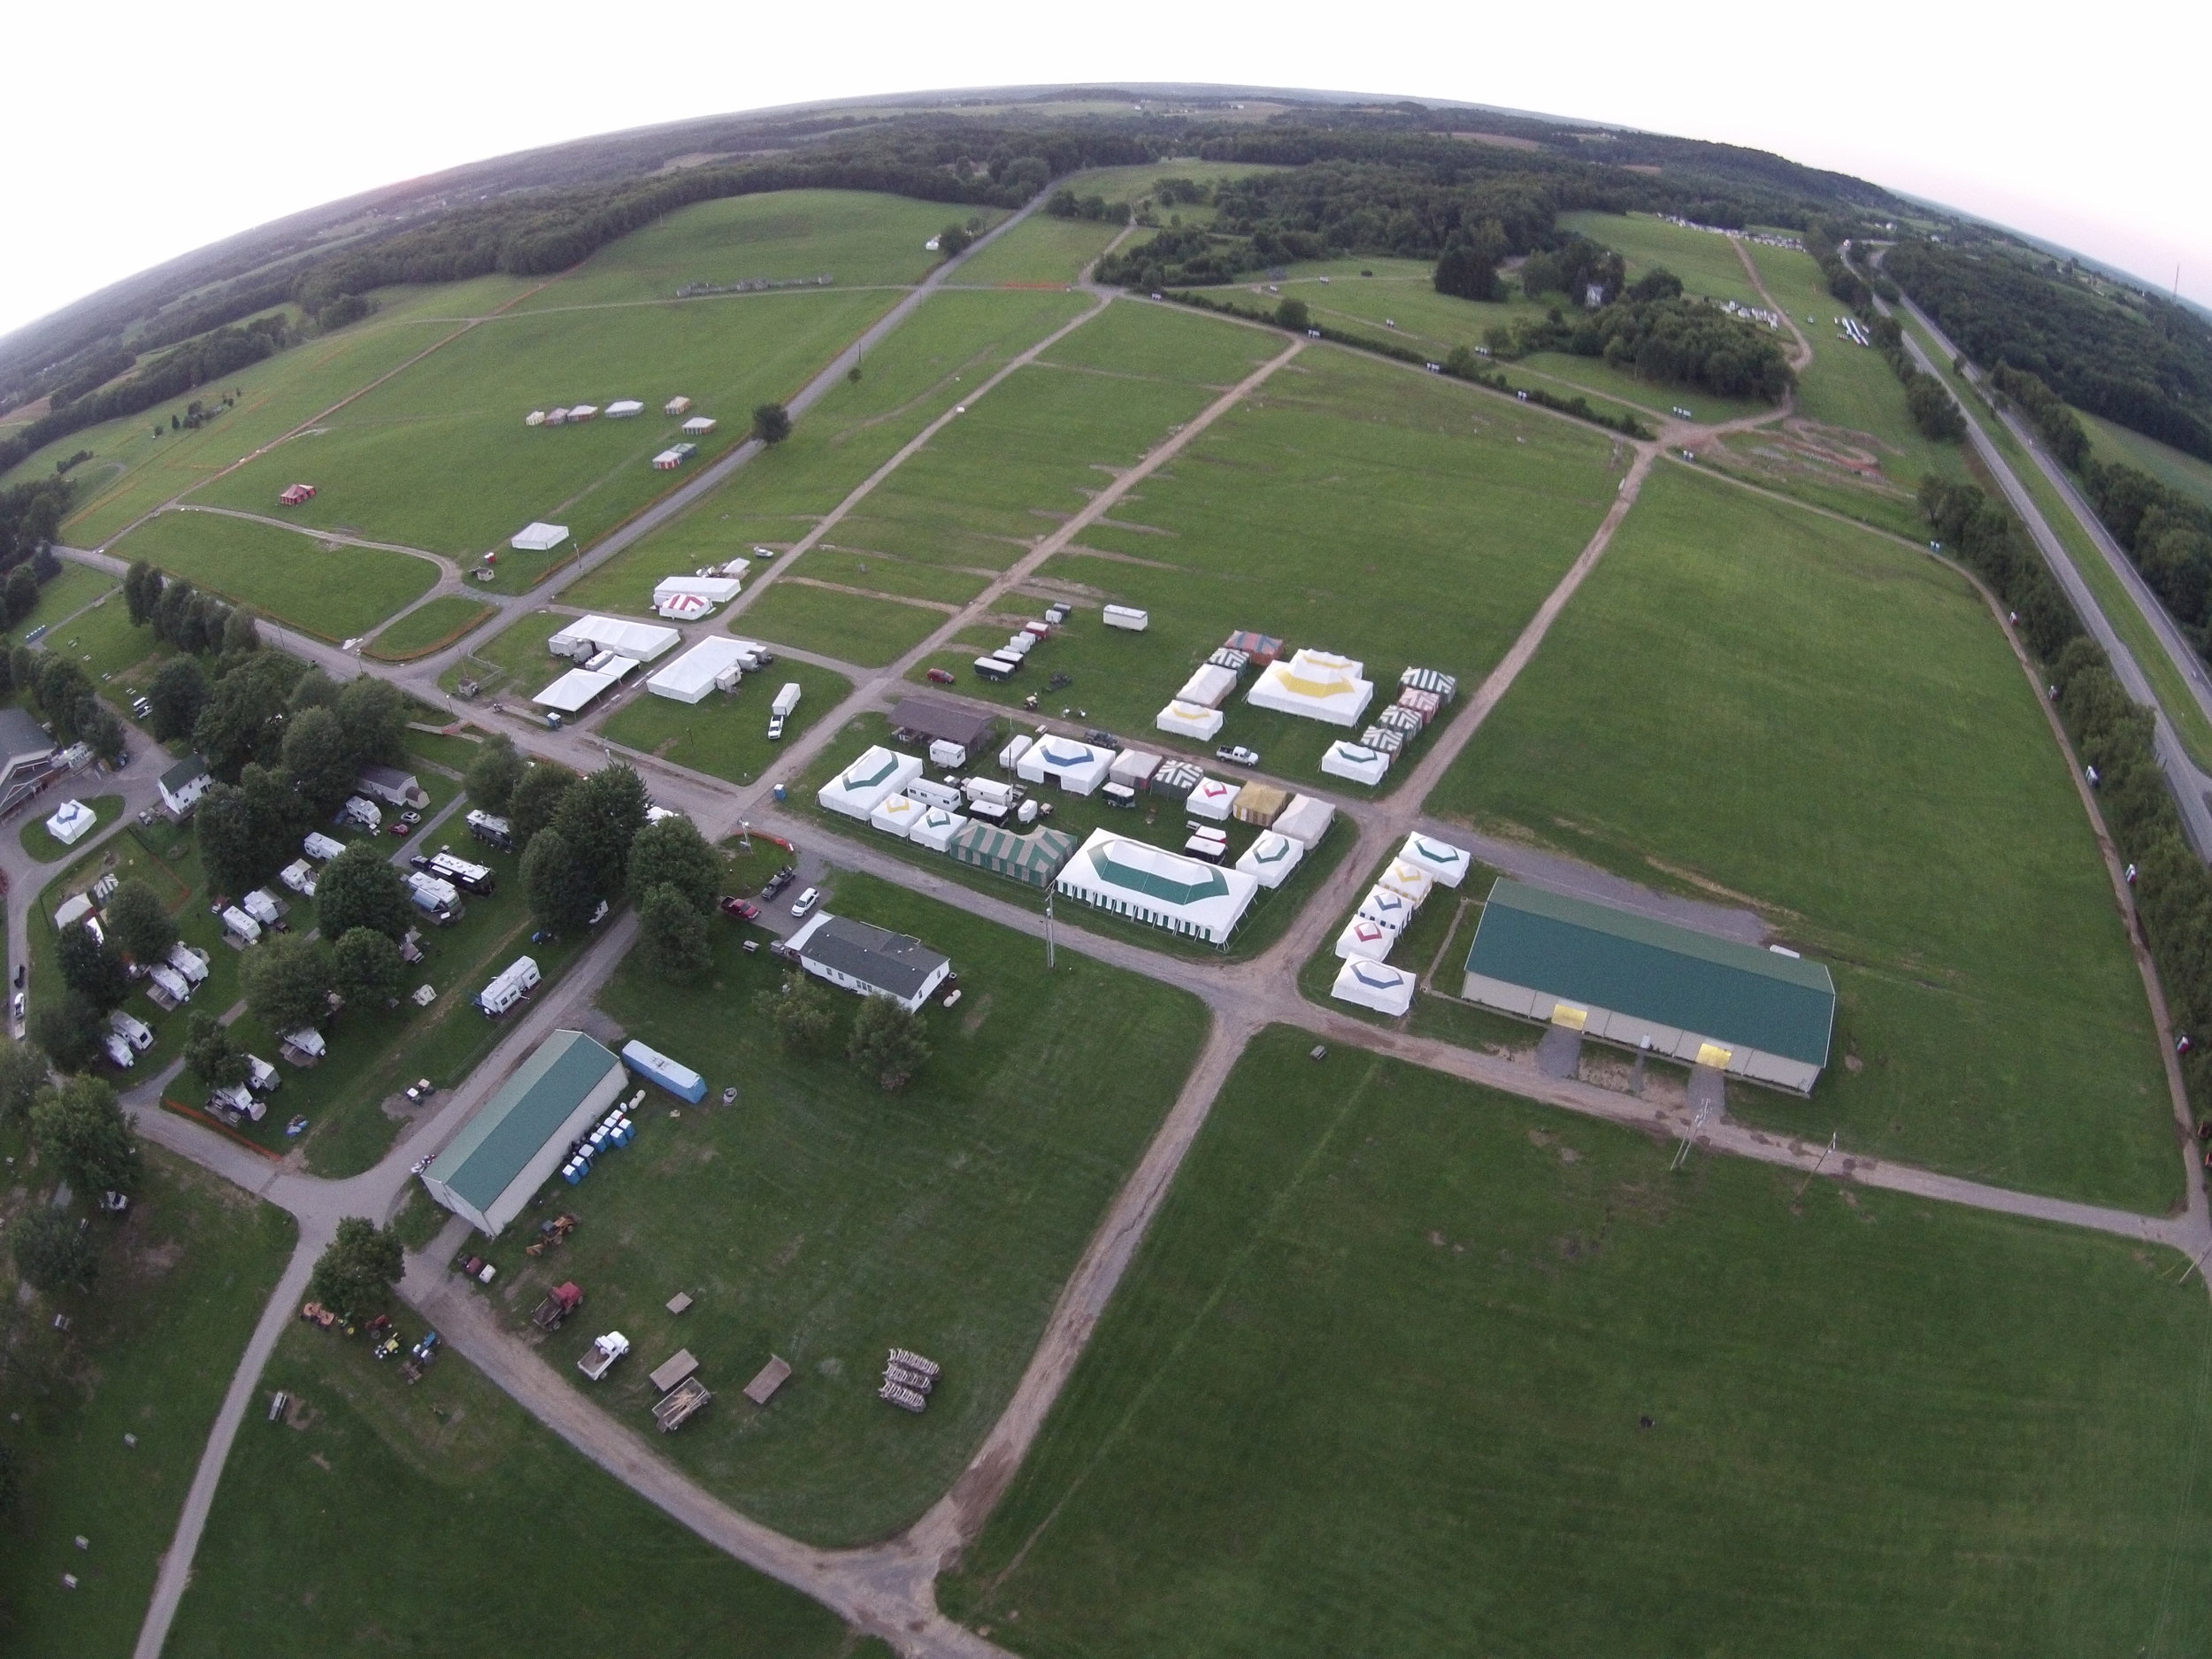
column 1375, row 985
column 1188, row 719
column 1386, row 909
column 870, row 781
column 935, row 829
column 1356, row 762
column 1208, row 688
column 1079, row 768
column 1270, row 859
column 1211, row 798
column 897, row 815
column 538, row 537
column 1447, row 864
column 71, row 822
column 1416, row 883
column 715, row 662
column 1363, row 938
column 1305, row 819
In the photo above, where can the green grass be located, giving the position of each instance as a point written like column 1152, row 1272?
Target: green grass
column 513, row 661
column 1706, row 262
column 429, row 627
column 886, row 573
column 858, row 237
column 438, row 457
column 1374, row 1385
column 78, row 587
column 441, row 1518
column 120, row 655
column 1398, row 304
column 1595, row 375
column 2175, row 470
column 825, row 1220
column 1335, row 509
column 1135, row 339
column 1760, row 704
column 728, row 736
column 39, row 842
column 327, row 589
column 183, row 1277
column 134, row 471
column 1040, row 249
column 852, row 627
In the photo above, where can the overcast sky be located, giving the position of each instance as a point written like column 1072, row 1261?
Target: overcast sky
column 181, row 125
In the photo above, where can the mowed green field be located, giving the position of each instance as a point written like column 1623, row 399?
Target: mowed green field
column 858, row 237
column 2110, row 442
column 1039, row 250
column 440, row 1518
column 1705, row 260
column 822, row 1220
column 427, row 627
column 1349, row 506
column 1391, row 301
column 946, row 347
column 77, row 587
column 328, row 589
column 1379, row 1379
column 438, row 457
column 728, row 735
column 857, row 628
column 134, row 471
column 150, row 1350
column 1769, row 706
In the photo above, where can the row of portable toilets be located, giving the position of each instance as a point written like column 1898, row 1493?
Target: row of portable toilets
column 615, row 1129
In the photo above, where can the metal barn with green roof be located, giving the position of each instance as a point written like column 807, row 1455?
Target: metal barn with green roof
column 1632, row 980
column 517, row 1138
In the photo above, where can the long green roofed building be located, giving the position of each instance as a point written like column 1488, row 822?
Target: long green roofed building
column 518, row 1137
column 1630, row 979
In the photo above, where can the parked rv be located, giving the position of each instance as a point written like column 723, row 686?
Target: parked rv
column 514, row 983
column 493, row 831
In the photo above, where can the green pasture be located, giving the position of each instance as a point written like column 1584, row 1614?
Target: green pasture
column 133, row 471
column 76, row 588
column 39, row 842
column 898, row 578
column 1134, row 339
column 325, row 589
column 819, row 1218
column 1568, row 374
column 441, row 1519
column 1349, row 506
column 728, row 734
column 951, row 343
column 856, row 628
column 858, row 237
column 438, row 457
column 150, row 1351
column 1705, row 261
column 1161, row 822
column 1772, row 708
column 109, row 646
column 512, row 660
column 1391, row 301
column 429, row 627
column 2109, row 441
column 1039, row 250
column 1407, row 1366
column 1136, row 184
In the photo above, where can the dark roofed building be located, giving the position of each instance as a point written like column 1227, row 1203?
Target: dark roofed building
column 1630, row 979
column 933, row 722
column 183, row 784
column 27, row 757
column 870, row 960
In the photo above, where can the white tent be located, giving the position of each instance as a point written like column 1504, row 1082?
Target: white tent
column 1411, row 880
column 1016, row 746
column 1386, row 909
column 1151, row 884
column 687, row 598
column 1079, row 768
column 579, row 688
column 1208, row 688
column 1211, row 798
column 586, row 636
column 1363, row 938
column 1447, row 864
column 1356, row 762
column 1317, row 684
column 538, row 538
column 935, row 829
column 1375, row 985
column 1270, row 859
column 623, row 408
column 1305, row 819
column 71, row 822
column 868, row 782
column 698, row 426
column 1133, row 767
column 1188, row 719
column 705, row 667
column 897, row 815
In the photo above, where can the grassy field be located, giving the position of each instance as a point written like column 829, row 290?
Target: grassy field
column 438, row 457
column 2171, row 467
column 852, row 627
column 440, row 1518
column 728, row 735
column 134, row 471
column 1331, row 511
column 324, row 588
column 114, row 652
column 1407, row 1367
column 1706, row 263
column 856, row 236
column 514, row 661
column 1762, row 705
column 951, row 343
column 1135, row 339
column 38, row 840
column 824, row 1220
column 428, row 628
column 1039, row 250
column 183, row 1277
column 77, row 586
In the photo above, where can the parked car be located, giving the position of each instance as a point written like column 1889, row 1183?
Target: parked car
column 1237, row 755
column 1101, row 739
column 775, row 728
column 776, row 883
column 740, row 910
column 805, row 903
column 940, row 676
column 400, row 828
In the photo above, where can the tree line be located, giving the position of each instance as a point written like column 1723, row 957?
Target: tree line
column 1656, row 332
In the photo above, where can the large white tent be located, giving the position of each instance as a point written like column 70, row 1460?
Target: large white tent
column 1270, row 860
column 538, row 537
column 579, row 688
column 1374, row 985
column 687, row 598
column 71, row 822
column 1079, row 768
column 1305, row 819
column 715, row 662
column 1211, row 798
column 1386, row 909
column 1356, row 762
column 1317, row 684
column 897, row 815
column 586, row 636
column 1363, row 938
column 1448, row 864
column 1411, row 880
column 1188, row 719
column 1165, row 889
column 935, row 829
column 870, row 781
column 1210, row 687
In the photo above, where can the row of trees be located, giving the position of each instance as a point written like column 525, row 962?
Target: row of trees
column 83, row 1137
column 882, row 1038
column 1660, row 336
column 1067, row 205
column 30, row 517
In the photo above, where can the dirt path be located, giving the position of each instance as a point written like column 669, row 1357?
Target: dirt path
column 1801, row 358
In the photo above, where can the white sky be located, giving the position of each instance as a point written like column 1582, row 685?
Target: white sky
column 179, row 125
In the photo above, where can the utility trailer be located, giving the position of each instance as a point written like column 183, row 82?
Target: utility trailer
column 685, row 1399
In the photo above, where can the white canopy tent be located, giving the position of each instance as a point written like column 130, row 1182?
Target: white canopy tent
column 538, row 537
column 1152, row 884
column 586, row 636
column 1305, row 819
column 897, row 815
column 935, row 829
column 1386, row 909
column 1356, row 762
column 71, row 822
column 1315, row 685
column 1211, row 798
column 1188, row 719
column 870, row 781
column 1270, row 860
column 715, row 663
column 1411, row 880
column 1375, row 985
column 1447, row 864
column 1208, row 688
column 691, row 596
column 579, row 688
column 1363, row 938
column 1079, row 768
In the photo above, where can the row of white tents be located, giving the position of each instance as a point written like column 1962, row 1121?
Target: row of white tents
column 1423, row 865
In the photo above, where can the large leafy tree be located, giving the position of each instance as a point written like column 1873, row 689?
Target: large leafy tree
column 357, row 1268
column 316, row 753
column 673, row 853
column 799, row 1011
column 600, row 818
column 360, row 889
column 25, row 1073
column 91, row 967
column 79, row 1128
column 288, row 980
column 562, row 898
column 674, row 941
column 886, row 1041
column 372, row 713
column 497, row 770
column 136, row 920
column 370, row 971
column 243, row 720
column 53, row 1252
column 177, row 692
column 210, row 1052
column 69, row 1028
column 537, row 796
